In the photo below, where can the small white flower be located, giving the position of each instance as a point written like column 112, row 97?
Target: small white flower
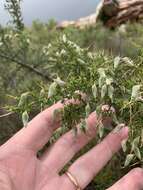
column 107, row 108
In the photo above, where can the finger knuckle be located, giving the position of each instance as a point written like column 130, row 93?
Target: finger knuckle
column 109, row 147
column 64, row 141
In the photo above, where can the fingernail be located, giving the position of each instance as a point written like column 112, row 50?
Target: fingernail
column 119, row 127
column 122, row 129
column 124, row 132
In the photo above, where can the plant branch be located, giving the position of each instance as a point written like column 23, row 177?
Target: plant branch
column 7, row 114
column 28, row 67
column 14, row 9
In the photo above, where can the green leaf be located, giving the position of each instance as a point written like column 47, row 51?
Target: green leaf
column 103, row 91
column 115, row 120
column 116, row 62
column 94, row 91
column 137, row 153
column 111, row 92
column 52, row 89
column 124, row 145
column 101, row 72
column 136, row 92
column 128, row 160
column 25, row 118
column 42, row 92
column 87, row 110
column 81, row 61
column 23, row 99
column 135, row 143
column 128, row 61
column 59, row 82
column 83, row 126
column 1, row 43
column 101, row 130
column 101, row 81
column 142, row 136
column 64, row 38
column 109, row 81
column 98, row 110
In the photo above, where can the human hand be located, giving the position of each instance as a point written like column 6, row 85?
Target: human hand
column 20, row 169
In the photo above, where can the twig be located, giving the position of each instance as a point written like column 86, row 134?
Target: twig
column 7, row 114
column 30, row 68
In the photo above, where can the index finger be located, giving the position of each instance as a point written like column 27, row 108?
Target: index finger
column 38, row 130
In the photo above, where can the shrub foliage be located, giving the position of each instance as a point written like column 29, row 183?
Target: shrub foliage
column 41, row 65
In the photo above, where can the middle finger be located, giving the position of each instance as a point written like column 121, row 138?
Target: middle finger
column 69, row 144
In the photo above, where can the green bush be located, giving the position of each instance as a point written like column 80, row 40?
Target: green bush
column 41, row 65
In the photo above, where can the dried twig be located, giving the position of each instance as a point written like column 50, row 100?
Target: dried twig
column 5, row 115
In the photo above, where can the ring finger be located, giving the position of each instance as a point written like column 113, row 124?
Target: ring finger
column 87, row 166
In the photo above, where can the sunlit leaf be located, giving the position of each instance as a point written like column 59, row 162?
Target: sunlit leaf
column 42, row 92
column 87, row 110
column 101, row 130
column 135, row 143
column 52, row 89
column 124, row 145
column 83, row 126
column 94, row 91
column 135, row 92
column 101, row 72
column 59, row 82
column 23, row 99
column 109, row 81
column 25, row 118
column 101, row 81
column 128, row 160
column 128, row 61
column 137, row 153
column 116, row 62
column 111, row 92
column 103, row 91
column 64, row 38
column 142, row 136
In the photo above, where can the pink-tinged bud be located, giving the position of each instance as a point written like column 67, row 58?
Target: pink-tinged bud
column 83, row 95
column 107, row 108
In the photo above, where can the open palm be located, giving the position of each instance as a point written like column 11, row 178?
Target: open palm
column 20, row 169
